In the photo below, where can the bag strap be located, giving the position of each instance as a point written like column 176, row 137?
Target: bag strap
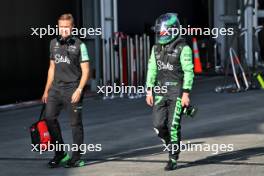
column 42, row 111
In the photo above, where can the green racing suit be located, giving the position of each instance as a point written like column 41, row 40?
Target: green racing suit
column 170, row 66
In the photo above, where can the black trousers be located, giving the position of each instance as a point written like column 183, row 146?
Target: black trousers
column 59, row 97
column 167, row 114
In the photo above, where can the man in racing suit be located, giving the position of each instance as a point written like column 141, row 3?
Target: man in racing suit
column 170, row 65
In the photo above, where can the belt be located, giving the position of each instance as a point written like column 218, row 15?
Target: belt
column 168, row 84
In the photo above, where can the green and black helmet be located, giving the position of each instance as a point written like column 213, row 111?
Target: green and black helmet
column 164, row 27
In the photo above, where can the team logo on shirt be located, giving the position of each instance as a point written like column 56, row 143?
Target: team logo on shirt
column 62, row 59
column 56, row 47
column 72, row 48
column 163, row 66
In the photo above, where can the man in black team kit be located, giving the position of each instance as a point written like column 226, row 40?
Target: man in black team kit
column 67, row 77
column 170, row 65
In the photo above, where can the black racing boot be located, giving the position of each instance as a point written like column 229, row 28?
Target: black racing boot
column 58, row 160
column 171, row 165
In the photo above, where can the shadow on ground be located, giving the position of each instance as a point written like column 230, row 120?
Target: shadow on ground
column 238, row 157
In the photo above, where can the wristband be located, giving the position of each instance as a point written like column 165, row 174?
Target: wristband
column 186, row 90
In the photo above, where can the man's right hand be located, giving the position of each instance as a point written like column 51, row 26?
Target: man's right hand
column 149, row 100
column 45, row 97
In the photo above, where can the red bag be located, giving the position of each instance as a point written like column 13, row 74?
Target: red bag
column 40, row 136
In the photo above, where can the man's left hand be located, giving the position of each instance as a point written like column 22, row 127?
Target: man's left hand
column 185, row 99
column 76, row 96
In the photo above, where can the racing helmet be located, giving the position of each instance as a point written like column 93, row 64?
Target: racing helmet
column 165, row 27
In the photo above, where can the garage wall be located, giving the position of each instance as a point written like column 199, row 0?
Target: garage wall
column 24, row 58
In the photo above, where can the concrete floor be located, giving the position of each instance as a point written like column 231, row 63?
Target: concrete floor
column 130, row 147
